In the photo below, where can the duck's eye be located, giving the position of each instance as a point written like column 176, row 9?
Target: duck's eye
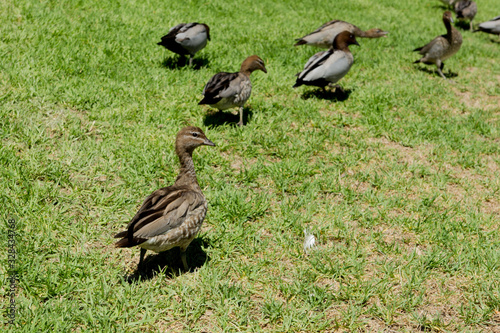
column 195, row 134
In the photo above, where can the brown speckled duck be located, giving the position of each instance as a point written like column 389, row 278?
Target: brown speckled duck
column 441, row 47
column 186, row 38
column 323, row 36
column 327, row 67
column 229, row 90
column 466, row 10
column 171, row 216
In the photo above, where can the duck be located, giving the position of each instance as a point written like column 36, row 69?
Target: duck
column 229, row 90
column 324, row 35
column 186, row 39
column 328, row 67
column 466, row 10
column 492, row 26
column 171, row 216
column 442, row 47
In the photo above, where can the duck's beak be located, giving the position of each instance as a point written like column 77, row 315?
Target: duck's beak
column 208, row 143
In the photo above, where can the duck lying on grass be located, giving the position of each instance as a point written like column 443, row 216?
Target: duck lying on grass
column 186, row 38
column 171, row 216
column 323, row 37
column 229, row 90
column 441, row 47
column 328, row 67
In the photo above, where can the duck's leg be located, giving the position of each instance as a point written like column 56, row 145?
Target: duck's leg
column 191, row 60
column 470, row 25
column 338, row 88
column 240, row 123
column 440, row 66
column 184, row 261
column 141, row 260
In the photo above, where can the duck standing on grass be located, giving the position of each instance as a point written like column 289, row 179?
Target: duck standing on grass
column 186, row 38
column 171, row 216
column 328, row 67
column 466, row 10
column 229, row 90
column 323, row 36
column 441, row 47
column 492, row 26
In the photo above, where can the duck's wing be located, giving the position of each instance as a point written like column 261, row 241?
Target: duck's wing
column 461, row 5
column 491, row 25
column 172, row 33
column 335, row 23
column 169, row 40
column 189, row 31
column 221, row 85
column 433, row 44
column 324, row 34
column 332, row 69
column 314, row 62
column 163, row 210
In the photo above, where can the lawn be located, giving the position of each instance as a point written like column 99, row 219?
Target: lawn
column 398, row 179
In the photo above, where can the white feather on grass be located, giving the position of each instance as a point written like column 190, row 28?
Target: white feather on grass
column 309, row 241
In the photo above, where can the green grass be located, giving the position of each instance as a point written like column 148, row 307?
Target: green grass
column 399, row 182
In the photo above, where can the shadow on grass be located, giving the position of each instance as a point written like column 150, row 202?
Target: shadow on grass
column 183, row 61
column 170, row 262
column 338, row 95
column 217, row 118
column 433, row 71
column 464, row 25
column 441, row 6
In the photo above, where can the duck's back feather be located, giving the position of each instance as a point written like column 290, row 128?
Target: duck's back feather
column 165, row 209
column 168, row 41
column 461, row 5
column 314, row 62
column 221, row 85
column 325, row 67
column 186, row 38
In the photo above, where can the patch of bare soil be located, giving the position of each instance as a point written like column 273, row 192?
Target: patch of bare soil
column 470, row 186
column 478, row 100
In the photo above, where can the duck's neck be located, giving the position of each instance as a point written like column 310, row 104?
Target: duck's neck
column 245, row 72
column 187, row 175
column 361, row 33
column 449, row 28
column 343, row 46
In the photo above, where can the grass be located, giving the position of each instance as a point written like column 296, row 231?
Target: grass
column 399, row 181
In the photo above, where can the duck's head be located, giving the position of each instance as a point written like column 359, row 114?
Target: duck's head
column 343, row 40
column 189, row 138
column 376, row 33
column 207, row 28
column 447, row 17
column 253, row 63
